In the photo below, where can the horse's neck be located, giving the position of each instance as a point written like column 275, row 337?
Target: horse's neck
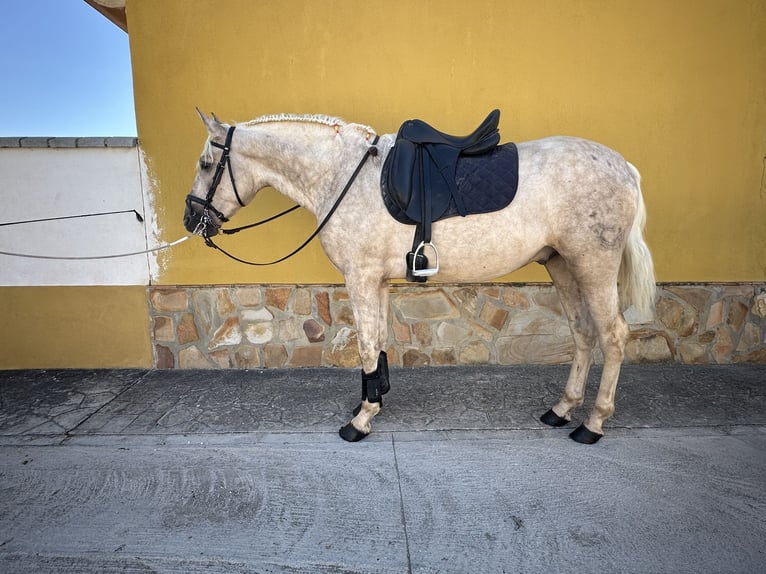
column 301, row 161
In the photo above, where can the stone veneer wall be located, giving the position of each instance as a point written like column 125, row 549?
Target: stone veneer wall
column 268, row 326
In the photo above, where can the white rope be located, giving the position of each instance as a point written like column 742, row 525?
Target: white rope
column 93, row 257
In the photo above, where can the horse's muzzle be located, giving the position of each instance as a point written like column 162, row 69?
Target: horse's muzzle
column 197, row 221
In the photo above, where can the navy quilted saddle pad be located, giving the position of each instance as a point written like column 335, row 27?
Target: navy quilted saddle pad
column 486, row 183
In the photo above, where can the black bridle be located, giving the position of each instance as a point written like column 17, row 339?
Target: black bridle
column 207, row 203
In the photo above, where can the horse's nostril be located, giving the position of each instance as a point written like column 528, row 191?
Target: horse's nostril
column 190, row 222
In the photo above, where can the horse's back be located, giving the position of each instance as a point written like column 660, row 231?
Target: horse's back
column 571, row 160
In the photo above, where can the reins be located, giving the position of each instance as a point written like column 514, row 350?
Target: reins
column 257, row 223
column 371, row 151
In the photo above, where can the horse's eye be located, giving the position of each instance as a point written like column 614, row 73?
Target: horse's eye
column 205, row 165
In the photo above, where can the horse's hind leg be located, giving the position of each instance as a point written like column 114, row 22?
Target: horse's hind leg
column 599, row 288
column 588, row 293
column 369, row 299
column 584, row 334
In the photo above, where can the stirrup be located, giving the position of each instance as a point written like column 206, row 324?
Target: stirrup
column 428, row 272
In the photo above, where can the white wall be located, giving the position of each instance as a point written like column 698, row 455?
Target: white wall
column 51, row 177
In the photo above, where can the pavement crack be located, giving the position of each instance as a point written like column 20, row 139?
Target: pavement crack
column 401, row 506
column 69, row 433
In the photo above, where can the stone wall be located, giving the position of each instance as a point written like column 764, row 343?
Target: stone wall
column 267, row 326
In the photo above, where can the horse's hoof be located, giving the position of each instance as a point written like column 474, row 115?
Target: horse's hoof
column 584, row 436
column 350, row 433
column 552, row 419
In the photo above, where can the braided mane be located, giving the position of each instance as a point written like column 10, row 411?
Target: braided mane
column 322, row 119
column 306, row 118
column 207, row 152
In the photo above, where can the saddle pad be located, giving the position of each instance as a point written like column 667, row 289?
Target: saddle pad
column 486, row 183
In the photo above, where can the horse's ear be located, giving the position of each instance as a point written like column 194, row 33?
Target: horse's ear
column 214, row 126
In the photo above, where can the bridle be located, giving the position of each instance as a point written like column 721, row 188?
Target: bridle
column 207, row 203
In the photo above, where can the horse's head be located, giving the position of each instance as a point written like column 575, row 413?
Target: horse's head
column 215, row 195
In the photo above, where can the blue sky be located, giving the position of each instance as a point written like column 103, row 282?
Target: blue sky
column 64, row 71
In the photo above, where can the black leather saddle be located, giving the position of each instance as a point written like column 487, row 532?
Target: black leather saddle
column 418, row 180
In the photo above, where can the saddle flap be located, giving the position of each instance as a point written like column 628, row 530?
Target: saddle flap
column 405, row 170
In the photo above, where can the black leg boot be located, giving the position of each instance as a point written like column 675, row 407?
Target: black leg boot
column 374, row 386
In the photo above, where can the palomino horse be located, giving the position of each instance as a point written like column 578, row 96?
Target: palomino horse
column 578, row 210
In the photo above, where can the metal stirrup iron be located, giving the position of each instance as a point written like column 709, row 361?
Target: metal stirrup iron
column 428, row 271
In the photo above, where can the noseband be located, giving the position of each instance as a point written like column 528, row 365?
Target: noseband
column 207, row 203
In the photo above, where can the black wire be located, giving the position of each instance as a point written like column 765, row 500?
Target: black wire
column 138, row 217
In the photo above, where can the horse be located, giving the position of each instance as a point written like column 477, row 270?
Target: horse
column 578, row 210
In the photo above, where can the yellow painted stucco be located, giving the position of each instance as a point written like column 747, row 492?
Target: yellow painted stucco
column 74, row 327
column 678, row 87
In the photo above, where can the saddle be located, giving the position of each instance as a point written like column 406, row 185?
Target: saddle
column 419, row 185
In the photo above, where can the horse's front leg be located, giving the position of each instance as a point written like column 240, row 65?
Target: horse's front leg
column 369, row 299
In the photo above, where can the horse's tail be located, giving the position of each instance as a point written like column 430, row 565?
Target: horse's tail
column 637, row 285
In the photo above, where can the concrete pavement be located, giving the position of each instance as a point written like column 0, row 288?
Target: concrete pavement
column 243, row 471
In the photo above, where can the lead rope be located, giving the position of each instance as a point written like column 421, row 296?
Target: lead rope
column 371, row 151
column 94, row 257
column 139, row 218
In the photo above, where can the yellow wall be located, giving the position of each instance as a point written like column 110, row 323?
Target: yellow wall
column 678, row 87
column 74, row 327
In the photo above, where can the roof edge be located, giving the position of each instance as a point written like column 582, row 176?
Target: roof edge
column 112, row 10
